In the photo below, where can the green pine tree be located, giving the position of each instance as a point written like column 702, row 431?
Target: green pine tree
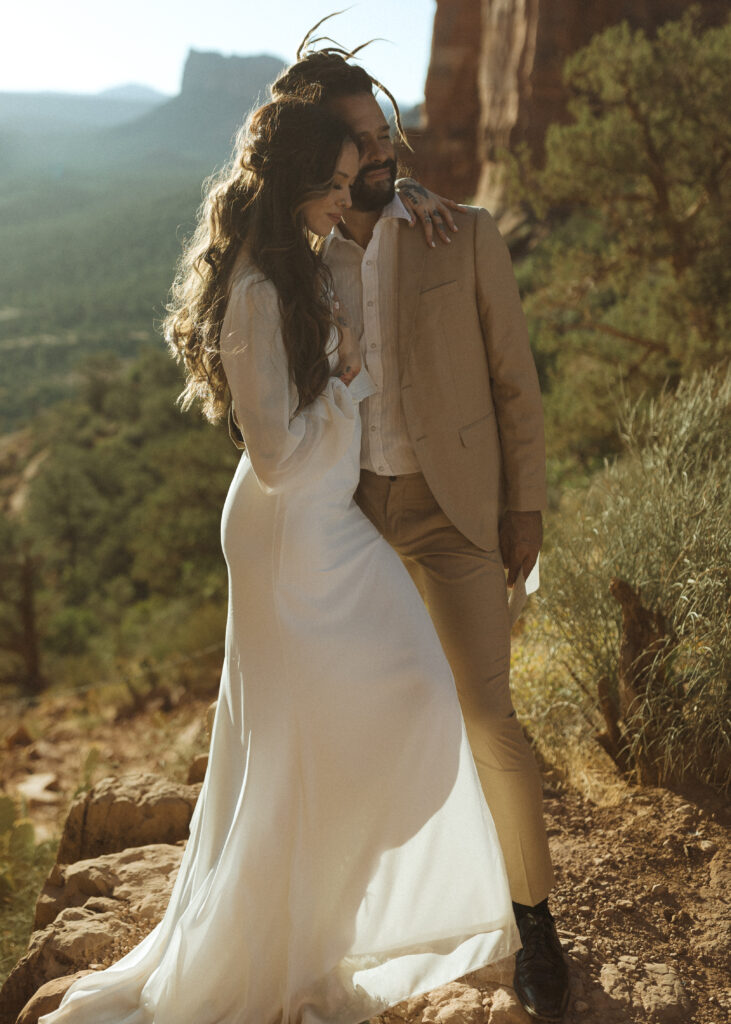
column 631, row 286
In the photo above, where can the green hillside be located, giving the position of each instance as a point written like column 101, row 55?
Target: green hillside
column 87, row 264
column 55, row 112
column 91, row 221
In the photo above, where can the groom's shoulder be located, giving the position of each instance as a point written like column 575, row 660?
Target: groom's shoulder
column 467, row 220
column 474, row 219
column 471, row 222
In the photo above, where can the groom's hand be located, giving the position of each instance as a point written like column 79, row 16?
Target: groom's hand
column 521, row 536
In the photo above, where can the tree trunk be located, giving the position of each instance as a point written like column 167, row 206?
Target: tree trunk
column 28, row 646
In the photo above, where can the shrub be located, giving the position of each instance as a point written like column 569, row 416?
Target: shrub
column 638, row 590
column 17, row 844
column 23, row 866
column 632, row 284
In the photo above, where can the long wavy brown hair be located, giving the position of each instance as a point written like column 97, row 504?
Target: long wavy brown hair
column 284, row 156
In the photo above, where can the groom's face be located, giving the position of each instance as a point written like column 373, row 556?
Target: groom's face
column 374, row 186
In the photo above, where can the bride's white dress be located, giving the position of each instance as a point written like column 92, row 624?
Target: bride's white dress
column 341, row 855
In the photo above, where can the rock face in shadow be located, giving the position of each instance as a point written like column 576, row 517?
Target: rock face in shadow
column 133, row 810
column 495, row 80
column 447, row 151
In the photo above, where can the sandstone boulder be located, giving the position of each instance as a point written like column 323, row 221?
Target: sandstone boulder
column 504, row 1008
column 661, row 994
column 47, row 998
column 139, row 877
column 197, row 769
column 92, row 913
column 134, row 810
column 455, row 1001
column 616, row 983
column 483, row 997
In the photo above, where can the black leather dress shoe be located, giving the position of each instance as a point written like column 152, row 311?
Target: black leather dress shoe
column 541, row 978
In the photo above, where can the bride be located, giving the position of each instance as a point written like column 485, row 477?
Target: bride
column 341, row 856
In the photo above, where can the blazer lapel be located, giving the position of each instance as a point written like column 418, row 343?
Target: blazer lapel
column 412, row 252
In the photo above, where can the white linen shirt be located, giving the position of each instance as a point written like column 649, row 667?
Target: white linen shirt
column 366, row 284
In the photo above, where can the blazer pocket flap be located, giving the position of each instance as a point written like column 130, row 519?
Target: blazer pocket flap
column 444, row 288
column 473, row 432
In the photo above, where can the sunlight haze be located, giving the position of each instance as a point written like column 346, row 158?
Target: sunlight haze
column 83, row 46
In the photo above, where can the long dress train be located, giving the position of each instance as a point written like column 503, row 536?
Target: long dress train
column 341, row 856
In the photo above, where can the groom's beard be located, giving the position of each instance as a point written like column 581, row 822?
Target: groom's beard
column 370, row 197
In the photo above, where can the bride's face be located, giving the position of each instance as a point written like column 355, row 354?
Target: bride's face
column 321, row 215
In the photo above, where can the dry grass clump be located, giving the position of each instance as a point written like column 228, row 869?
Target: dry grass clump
column 636, row 600
column 24, row 865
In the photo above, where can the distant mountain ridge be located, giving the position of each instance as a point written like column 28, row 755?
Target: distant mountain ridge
column 135, row 91
column 133, row 126
column 216, row 95
column 36, row 113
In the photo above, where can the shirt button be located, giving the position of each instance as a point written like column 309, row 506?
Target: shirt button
column 381, row 469
column 373, row 344
column 373, row 429
column 370, row 302
column 369, row 263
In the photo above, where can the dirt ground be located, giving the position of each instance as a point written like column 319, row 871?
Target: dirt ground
column 643, row 875
column 642, row 903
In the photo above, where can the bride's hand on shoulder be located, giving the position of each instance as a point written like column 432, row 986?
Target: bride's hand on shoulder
column 434, row 212
column 349, row 357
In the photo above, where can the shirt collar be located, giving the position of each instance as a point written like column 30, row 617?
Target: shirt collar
column 395, row 210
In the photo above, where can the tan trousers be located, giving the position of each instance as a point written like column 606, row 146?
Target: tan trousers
column 464, row 589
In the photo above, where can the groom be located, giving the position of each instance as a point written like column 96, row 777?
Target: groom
column 452, row 467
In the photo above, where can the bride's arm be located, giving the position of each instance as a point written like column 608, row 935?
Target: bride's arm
column 349, row 356
column 284, row 452
column 434, row 212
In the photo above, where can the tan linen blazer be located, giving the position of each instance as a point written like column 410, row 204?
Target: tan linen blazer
column 468, row 381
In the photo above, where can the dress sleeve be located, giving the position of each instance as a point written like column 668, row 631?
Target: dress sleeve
column 285, row 451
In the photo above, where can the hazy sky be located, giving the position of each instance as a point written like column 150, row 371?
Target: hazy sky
column 89, row 45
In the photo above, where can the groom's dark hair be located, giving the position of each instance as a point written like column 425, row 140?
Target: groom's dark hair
column 326, row 74
column 323, row 72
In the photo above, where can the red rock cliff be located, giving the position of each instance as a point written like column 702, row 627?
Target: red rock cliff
column 495, row 80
